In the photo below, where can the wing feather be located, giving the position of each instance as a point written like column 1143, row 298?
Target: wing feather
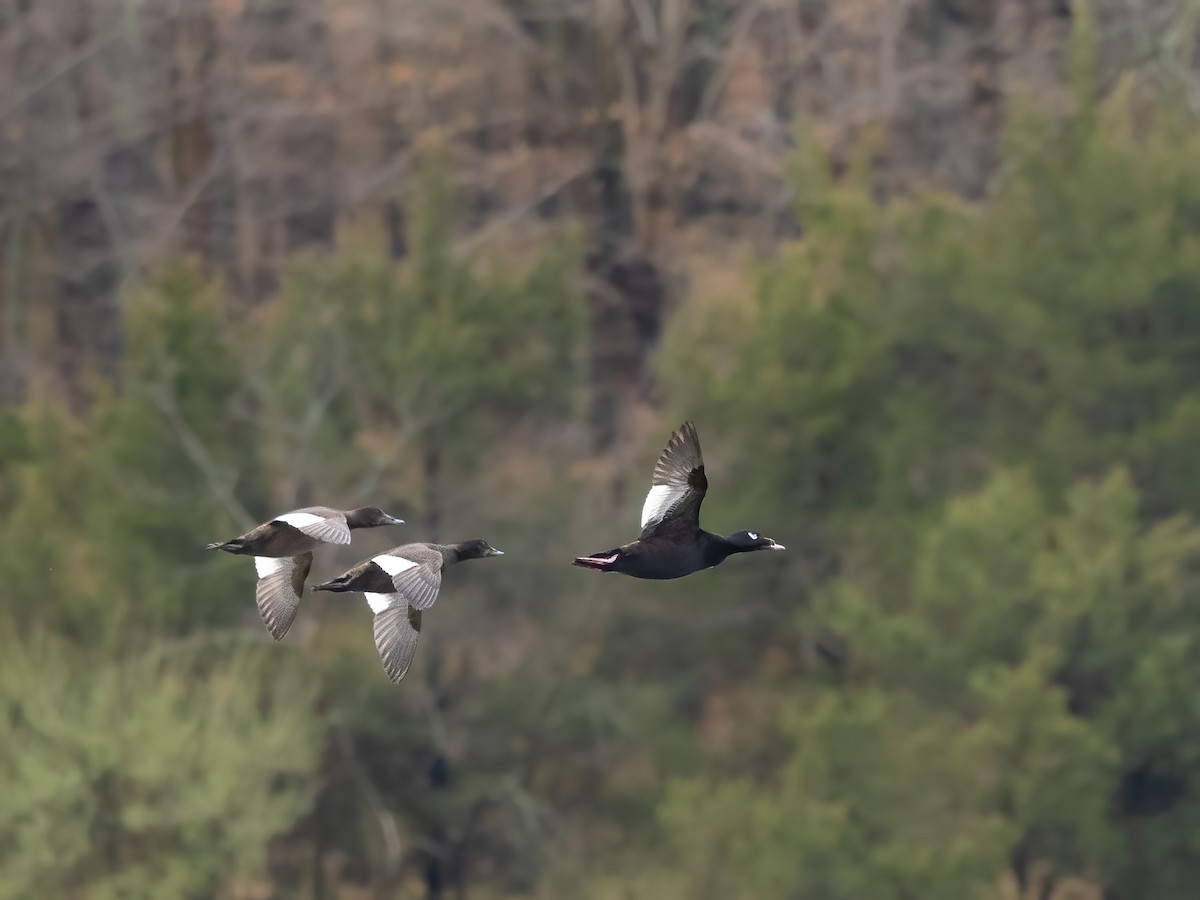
column 419, row 586
column 679, row 484
column 380, row 602
column 397, row 628
column 280, row 585
column 326, row 525
column 416, row 571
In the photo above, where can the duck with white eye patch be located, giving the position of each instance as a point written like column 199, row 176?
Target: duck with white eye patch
column 399, row 585
column 282, row 550
column 672, row 543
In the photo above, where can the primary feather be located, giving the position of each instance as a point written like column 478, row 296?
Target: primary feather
column 277, row 594
column 679, row 484
column 326, row 525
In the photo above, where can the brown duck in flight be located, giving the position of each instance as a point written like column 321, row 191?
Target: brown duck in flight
column 399, row 585
column 282, row 550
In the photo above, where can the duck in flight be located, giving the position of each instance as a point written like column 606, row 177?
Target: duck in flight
column 672, row 543
column 399, row 585
column 282, row 550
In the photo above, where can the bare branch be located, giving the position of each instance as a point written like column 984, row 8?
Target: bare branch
column 220, row 484
column 65, row 66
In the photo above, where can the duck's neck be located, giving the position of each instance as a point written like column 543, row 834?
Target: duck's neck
column 451, row 553
column 716, row 548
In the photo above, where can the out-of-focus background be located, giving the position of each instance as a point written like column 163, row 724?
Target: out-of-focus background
column 925, row 272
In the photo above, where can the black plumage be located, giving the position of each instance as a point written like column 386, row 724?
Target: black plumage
column 672, row 543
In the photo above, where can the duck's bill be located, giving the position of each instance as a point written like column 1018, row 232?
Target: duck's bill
column 391, row 520
column 492, row 551
column 775, row 546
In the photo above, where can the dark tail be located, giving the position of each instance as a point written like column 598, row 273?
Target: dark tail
column 601, row 562
column 337, row 585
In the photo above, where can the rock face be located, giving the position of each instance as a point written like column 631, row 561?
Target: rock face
column 245, row 131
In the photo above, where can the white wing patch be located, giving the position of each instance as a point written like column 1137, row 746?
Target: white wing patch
column 393, row 565
column 660, row 499
column 380, row 602
column 299, row 519
column 269, row 566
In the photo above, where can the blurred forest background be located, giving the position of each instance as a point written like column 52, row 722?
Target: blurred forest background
column 925, row 272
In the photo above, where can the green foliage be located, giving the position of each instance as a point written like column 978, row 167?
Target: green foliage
column 873, row 803
column 163, row 775
column 972, row 675
column 100, row 508
column 148, row 761
column 428, row 360
column 437, row 340
column 1027, row 707
column 896, row 354
column 989, row 410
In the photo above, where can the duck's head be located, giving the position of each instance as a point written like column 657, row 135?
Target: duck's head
column 477, row 549
column 745, row 541
column 370, row 517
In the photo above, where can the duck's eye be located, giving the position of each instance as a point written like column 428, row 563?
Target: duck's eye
column 753, row 536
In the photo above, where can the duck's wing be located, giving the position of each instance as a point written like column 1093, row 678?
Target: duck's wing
column 280, row 584
column 679, row 484
column 397, row 627
column 320, row 523
column 416, row 572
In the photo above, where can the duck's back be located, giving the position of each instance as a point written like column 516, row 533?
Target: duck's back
column 299, row 531
column 277, row 539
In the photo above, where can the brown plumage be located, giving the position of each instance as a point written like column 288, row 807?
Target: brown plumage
column 398, row 585
column 282, row 550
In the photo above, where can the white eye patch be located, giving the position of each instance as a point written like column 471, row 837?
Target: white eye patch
column 753, row 536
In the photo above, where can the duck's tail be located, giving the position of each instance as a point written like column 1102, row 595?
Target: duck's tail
column 601, row 562
column 338, row 585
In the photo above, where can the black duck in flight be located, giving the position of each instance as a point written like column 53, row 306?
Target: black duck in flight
column 672, row 543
